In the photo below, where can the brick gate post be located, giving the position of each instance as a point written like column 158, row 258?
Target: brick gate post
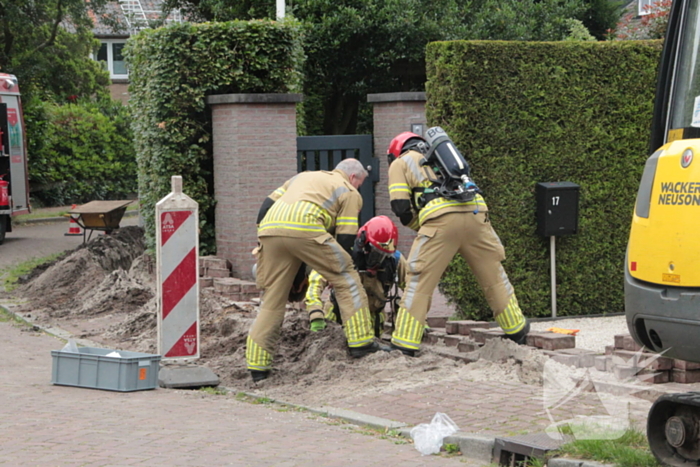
column 394, row 113
column 254, row 145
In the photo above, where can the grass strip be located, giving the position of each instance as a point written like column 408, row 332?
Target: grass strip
column 629, row 450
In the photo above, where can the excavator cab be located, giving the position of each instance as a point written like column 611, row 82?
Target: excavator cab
column 662, row 264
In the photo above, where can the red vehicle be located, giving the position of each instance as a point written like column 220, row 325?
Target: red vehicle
column 14, row 187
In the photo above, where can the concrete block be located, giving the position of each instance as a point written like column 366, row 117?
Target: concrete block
column 227, row 285
column 618, row 341
column 624, row 371
column 452, row 341
column 465, row 327
column 609, row 349
column 452, row 327
column 532, row 337
column 627, row 356
column 218, row 272
column 684, row 365
column 653, row 361
column 626, row 342
column 564, row 359
column 214, row 262
column 481, row 335
column 430, row 339
column 685, row 376
column 600, row 363
column 553, row 341
column 468, row 346
column 654, row 377
column 586, row 357
column 206, row 282
column 186, row 376
column 437, row 321
column 473, row 447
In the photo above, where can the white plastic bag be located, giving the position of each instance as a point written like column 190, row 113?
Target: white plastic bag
column 71, row 346
column 427, row 438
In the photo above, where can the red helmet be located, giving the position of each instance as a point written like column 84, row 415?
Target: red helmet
column 381, row 233
column 401, row 143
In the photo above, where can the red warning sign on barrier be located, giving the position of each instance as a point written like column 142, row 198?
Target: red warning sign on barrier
column 178, row 274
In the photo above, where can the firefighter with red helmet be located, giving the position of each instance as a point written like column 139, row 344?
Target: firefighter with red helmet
column 382, row 270
column 310, row 219
column 431, row 191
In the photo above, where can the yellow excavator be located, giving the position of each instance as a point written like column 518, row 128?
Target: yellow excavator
column 662, row 264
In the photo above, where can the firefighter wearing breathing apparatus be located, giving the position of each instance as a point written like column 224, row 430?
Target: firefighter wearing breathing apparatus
column 382, row 270
column 310, row 219
column 431, row 192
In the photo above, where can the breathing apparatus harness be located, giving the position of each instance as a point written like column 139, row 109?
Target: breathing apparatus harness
column 446, row 169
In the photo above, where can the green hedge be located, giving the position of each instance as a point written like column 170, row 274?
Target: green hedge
column 172, row 70
column 529, row 112
column 80, row 152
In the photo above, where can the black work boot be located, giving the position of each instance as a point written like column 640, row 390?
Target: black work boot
column 358, row 352
column 259, row 375
column 404, row 350
column 520, row 337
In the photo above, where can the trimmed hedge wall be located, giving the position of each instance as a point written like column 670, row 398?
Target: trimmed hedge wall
column 172, row 70
column 529, row 112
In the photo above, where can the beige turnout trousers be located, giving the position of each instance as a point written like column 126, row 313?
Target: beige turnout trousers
column 439, row 239
column 278, row 260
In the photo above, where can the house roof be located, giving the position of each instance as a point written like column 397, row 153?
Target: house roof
column 123, row 18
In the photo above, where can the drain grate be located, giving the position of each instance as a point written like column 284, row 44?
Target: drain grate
column 514, row 450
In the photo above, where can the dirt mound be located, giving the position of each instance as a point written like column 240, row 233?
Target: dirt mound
column 106, row 290
column 93, row 278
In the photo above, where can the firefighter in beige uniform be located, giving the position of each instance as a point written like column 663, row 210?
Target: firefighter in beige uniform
column 382, row 270
column 428, row 195
column 296, row 223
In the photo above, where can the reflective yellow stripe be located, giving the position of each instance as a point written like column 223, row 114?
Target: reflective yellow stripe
column 313, row 293
column 409, row 331
column 511, row 320
column 300, row 216
column 346, row 221
column 441, row 203
column 399, row 188
column 256, row 357
column 358, row 329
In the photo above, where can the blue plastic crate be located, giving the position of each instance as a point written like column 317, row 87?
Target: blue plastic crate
column 91, row 368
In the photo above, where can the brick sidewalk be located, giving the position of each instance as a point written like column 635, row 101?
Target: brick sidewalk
column 42, row 424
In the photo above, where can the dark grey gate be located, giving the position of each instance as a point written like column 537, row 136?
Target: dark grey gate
column 324, row 152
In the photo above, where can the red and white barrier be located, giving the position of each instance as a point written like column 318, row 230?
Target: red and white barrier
column 177, row 252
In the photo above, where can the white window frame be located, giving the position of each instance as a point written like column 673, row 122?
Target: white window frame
column 110, row 57
column 640, row 7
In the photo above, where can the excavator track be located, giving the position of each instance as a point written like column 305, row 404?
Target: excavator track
column 673, row 429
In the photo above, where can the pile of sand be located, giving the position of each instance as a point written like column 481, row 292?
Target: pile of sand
column 110, row 283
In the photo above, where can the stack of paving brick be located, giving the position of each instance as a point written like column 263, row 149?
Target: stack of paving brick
column 212, row 267
column 627, row 359
column 216, row 272
column 236, row 289
column 469, row 335
column 458, row 334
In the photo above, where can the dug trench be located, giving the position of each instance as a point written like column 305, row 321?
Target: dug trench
column 105, row 291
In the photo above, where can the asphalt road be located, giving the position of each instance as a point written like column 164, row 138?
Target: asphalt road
column 32, row 241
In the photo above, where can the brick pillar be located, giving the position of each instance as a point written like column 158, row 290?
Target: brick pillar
column 394, row 113
column 254, row 137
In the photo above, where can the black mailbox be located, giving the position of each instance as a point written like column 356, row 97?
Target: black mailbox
column 557, row 208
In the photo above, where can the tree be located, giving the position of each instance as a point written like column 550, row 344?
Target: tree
column 356, row 47
column 601, row 16
column 47, row 44
column 222, row 10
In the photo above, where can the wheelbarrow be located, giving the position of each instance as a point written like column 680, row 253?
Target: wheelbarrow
column 103, row 216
